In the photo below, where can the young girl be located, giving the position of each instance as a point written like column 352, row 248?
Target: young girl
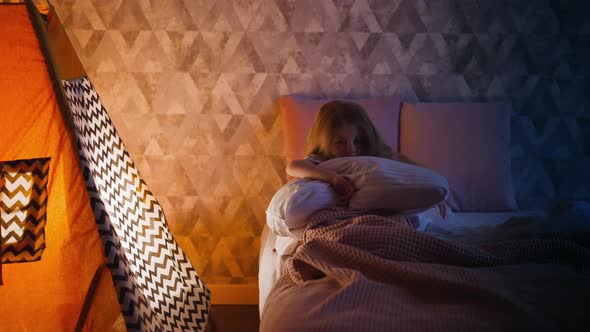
column 340, row 129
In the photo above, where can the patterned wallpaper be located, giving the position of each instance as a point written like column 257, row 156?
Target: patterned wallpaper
column 192, row 85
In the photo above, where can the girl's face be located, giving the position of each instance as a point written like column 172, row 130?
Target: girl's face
column 346, row 142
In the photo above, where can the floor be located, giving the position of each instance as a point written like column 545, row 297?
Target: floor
column 233, row 318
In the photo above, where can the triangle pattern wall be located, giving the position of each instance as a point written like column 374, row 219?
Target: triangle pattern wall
column 192, row 88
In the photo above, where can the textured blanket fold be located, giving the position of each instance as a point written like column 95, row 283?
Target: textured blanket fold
column 359, row 272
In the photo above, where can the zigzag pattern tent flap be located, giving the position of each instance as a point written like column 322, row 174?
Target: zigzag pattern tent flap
column 158, row 288
column 23, row 200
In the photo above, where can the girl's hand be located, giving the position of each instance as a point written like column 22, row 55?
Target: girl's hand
column 305, row 169
column 343, row 187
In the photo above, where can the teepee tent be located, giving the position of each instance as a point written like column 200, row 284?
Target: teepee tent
column 84, row 243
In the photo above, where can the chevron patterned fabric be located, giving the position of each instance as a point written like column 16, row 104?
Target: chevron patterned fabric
column 23, row 205
column 158, row 288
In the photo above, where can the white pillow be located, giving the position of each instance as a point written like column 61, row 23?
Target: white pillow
column 381, row 184
column 295, row 202
column 384, row 184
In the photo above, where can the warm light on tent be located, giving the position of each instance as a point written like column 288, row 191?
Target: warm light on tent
column 94, row 252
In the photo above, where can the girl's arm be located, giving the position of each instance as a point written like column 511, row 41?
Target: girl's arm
column 306, row 169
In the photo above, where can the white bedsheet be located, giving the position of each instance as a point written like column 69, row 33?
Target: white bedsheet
column 274, row 250
column 478, row 227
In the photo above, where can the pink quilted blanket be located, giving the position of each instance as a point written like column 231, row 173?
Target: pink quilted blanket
column 357, row 272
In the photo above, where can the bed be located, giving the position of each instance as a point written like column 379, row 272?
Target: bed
column 443, row 247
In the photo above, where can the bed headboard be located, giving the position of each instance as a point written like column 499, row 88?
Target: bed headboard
column 466, row 142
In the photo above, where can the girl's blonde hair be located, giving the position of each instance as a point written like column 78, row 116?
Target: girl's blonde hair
column 336, row 114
